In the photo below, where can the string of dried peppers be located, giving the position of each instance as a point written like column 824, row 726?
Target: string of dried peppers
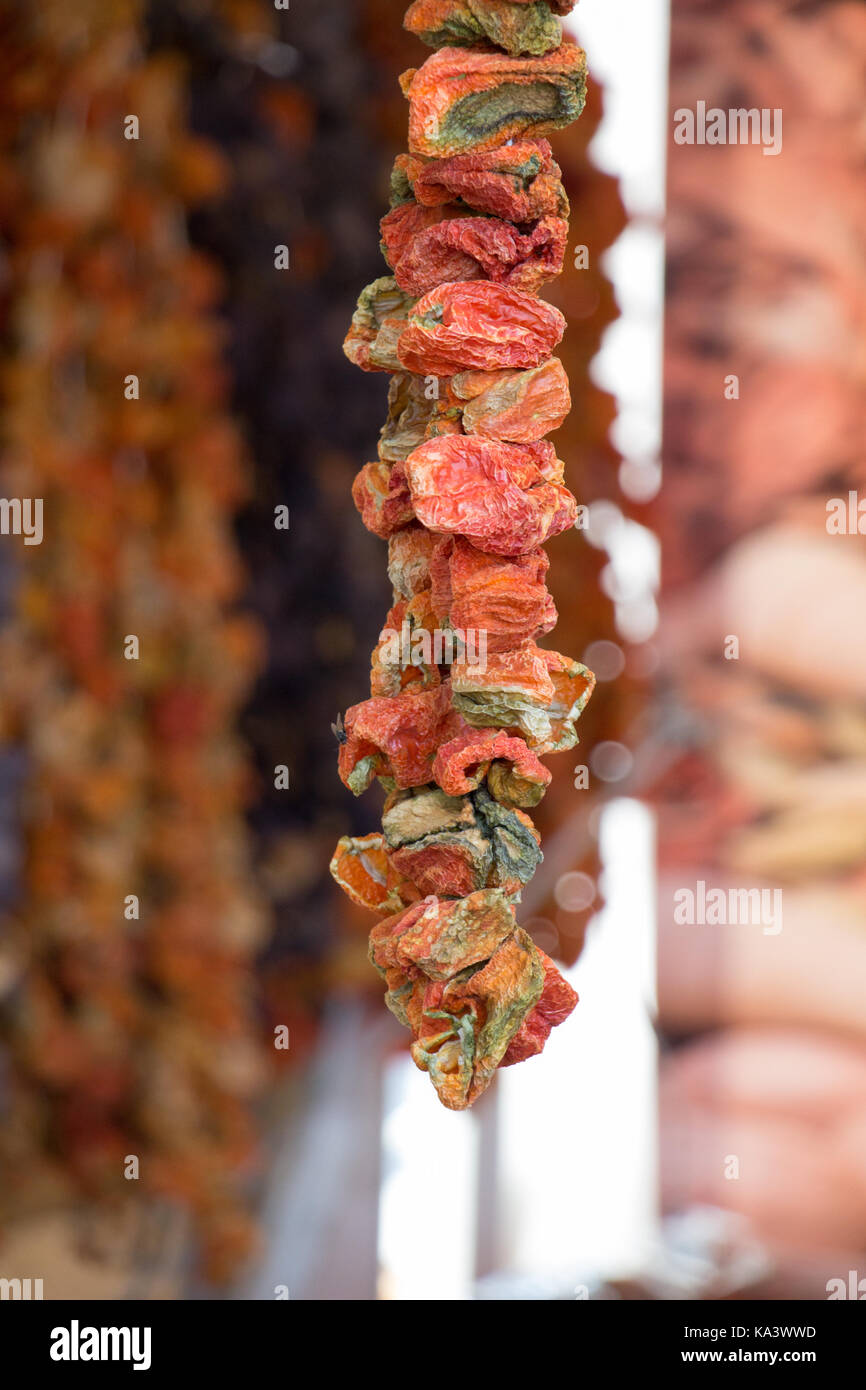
column 466, row 490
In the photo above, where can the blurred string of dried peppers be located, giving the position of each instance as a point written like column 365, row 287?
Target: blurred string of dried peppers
column 467, row 489
column 130, row 1032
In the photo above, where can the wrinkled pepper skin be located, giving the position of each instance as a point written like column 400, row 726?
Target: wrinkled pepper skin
column 528, row 26
column 520, row 182
column 463, row 99
column 466, row 490
column 475, row 324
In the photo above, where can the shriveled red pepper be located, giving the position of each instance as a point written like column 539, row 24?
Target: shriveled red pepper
column 492, row 493
column 466, row 490
column 464, row 99
column 519, row 182
column 477, row 324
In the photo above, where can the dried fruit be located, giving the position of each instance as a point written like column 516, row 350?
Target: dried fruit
column 462, row 99
column 381, row 494
column 528, row 26
column 452, row 846
column 462, row 764
column 492, row 493
column 377, row 324
column 539, row 694
column 519, row 182
column 465, row 248
column 506, row 598
column 468, row 982
column 364, row 871
column 476, row 324
column 466, row 489
column 520, row 407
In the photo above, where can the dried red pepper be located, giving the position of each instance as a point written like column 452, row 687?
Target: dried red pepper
column 466, row 489
column 492, row 493
column 463, row 99
column 506, row 598
column 518, row 26
column 519, row 182
column 476, row 324
column 425, row 250
column 519, row 407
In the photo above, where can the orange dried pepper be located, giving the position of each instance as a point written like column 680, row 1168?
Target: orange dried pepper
column 476, row 324
column 463, row 99
column 494, row 494
column 466, row 490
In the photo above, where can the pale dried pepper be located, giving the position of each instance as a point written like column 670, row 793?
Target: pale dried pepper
column 466, row 490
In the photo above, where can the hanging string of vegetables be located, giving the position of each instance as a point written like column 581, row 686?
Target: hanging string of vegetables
column 466, row 490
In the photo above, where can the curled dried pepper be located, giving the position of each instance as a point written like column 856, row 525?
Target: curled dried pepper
column 476, row 324
column 395, row 738
column 414, row 413
column 377, row 324
column 557, row 1001
column 466, row 489
column 465, row 979
column 381, row 494
column 464, row 99
column 362, row 868
column 519, row 182
column 529, row 27
column 519, row 407
column 506, row 598
column 452, row 846
column 492, row 493
column 409, row 555
column 462, row 764
column 463, row 248
column 539, row 694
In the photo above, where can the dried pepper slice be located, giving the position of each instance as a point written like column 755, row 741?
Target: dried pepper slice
column 520, row 182
column 528, row 26
column 377, row 324
column 464, row 455
column 475, row 324
column 513, row 692
column 492, row 493
column 381, row 494
column 498, row 997
column 362, row 868
column 539, row 693
column 453, row 846
column 440, row 937
column 519, row 407
column 557, row 1001
column 466, row 248
column 395, row 738
column 409, row 554
column 409, row 648
column 515, row 777
column 507, row 599
column 573, row 685
column 465, row 978
column 415, row 413
column 464, row 99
